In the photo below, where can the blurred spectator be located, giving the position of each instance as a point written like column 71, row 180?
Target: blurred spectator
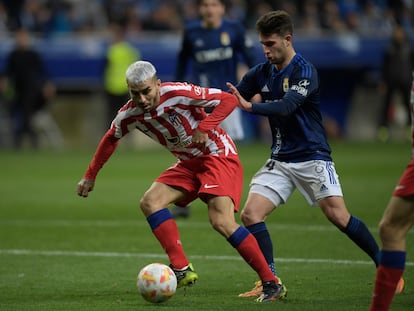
column 397, row 66
column 331, row 19
column 375, row 20
column 164, row 17
column 13, row 9
column 310, row 24
column 3, row 19
column 5, row 127
column 120, row 54
column 27, row 77
column 50, row 17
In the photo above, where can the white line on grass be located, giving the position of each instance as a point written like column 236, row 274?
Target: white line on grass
column 139, row 222
column 163, row 256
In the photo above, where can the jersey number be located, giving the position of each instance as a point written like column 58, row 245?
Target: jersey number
column 270, row 165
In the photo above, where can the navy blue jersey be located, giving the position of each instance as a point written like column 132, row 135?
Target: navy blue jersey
column 291, row 102
column 214, row 53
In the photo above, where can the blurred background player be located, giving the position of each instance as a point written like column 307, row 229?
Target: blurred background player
column 119, row 55
column 215, row 47
column 31, row 90
column 397, row 220
column 397, row 65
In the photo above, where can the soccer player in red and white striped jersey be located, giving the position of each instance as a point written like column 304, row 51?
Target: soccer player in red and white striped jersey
column 208, row 166
column 397, row 220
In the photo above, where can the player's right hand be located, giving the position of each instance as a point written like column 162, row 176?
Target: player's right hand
column 84, row 187
column 243, row 104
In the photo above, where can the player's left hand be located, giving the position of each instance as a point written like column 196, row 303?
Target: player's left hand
column 84, row 187
column 243, row 104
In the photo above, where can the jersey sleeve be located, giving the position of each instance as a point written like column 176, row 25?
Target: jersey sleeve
column 227, row 104
column 103, row 152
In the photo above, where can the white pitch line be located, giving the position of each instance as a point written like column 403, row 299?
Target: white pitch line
column 140, row 222
column 163, row 256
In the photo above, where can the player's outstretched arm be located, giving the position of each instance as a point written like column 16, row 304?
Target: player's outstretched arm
column 104, row 151
column 85, row 186
column 243, row 104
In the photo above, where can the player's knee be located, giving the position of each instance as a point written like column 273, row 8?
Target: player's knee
column 339, row 219
column 387, row 231
column 249, row 218
column 220, row 225
column 148, row 205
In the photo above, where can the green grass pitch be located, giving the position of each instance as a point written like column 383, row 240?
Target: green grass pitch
column 62, row 252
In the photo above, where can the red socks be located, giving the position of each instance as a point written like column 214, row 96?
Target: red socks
column 169, row 238
column 385, row 284
column 249, row 249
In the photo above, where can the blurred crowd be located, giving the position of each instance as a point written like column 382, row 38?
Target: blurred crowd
column 312, row 17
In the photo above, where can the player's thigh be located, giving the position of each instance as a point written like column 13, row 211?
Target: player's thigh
column 158, row 196
column 273, row 181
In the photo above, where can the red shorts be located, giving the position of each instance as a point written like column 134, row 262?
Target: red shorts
column 216, row 175
column 405, row 186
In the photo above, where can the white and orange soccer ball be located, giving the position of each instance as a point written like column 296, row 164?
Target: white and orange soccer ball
column 156, row 282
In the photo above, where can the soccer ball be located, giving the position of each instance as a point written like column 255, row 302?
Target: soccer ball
column 156, row 282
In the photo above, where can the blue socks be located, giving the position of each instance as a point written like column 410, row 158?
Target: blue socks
column 262, row 236
column 358, row 232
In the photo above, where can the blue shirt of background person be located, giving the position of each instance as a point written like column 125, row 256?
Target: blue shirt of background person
column 214, row 53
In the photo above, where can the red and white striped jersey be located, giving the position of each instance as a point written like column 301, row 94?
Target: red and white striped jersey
column 412, row 117
column 179, row 112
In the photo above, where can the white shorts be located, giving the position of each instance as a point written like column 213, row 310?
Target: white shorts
column 233, row 124
column 315, row 179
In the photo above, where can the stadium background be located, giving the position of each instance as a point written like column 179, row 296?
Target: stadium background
column 345, row 40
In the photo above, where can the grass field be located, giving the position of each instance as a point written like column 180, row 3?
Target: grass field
column 62, row 252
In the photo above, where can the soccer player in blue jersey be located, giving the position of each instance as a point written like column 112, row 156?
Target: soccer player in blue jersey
column 300, row 155
column 214, row 47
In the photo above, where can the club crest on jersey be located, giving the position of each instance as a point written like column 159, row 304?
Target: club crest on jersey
column 285, row 84
column 175, row 119
column 302, row 87
column 225, row 38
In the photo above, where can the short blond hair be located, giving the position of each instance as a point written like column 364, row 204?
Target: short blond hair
column 140, row 71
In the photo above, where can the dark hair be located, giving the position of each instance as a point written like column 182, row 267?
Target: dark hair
column 275, row 22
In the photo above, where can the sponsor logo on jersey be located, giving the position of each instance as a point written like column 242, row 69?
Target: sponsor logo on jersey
column 177, row 142
column 302, row 87
column 212, row 55
column 173, row 140
column 265, row 89
column 323, row 188
column 197, row 90
column 207, row 186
